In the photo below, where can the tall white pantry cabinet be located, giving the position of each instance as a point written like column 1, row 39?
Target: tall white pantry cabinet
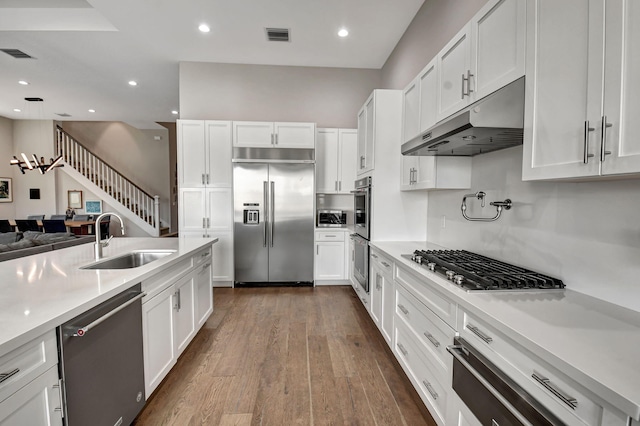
column 205, row 203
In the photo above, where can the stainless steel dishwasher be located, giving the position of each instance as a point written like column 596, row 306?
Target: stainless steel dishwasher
column 101, row 362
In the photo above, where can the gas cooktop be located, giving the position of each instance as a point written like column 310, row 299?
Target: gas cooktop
column 472, row 271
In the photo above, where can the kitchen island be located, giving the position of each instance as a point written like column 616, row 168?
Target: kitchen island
column 591, row 345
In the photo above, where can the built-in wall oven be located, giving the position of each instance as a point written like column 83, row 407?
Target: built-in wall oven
column 362, row 222
column 492, row 396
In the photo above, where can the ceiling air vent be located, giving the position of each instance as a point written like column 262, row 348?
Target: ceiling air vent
column 18, row 54
column 63, row 114
column 33, row 99
column 277, row 34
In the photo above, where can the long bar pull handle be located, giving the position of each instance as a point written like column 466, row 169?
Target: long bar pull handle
column 203, row 178
column 402, row 349
column 375, row 256
column 339, row 185
column 430, row 388
column 603, row 139
column 385, row 264
column 462, row 86
column 362, row 161
column 271, row 138
column 265, row 192
column 475, row 330
column 587, row 129
column 272, row 216
column 546, row 383
column 276, row 139
column 59, row 386
column 469, row 89
column 83, row 330
column 432, row 339
column 5, row 376
column 204, row 222
column 403, row 309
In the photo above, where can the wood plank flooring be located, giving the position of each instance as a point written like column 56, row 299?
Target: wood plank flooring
column 286, row 356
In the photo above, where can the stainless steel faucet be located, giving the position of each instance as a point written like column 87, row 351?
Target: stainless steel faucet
column 99, row 243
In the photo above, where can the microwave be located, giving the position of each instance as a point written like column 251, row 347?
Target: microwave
column 331, row 218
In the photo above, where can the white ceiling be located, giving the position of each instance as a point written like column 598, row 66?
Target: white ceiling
column 86, row 51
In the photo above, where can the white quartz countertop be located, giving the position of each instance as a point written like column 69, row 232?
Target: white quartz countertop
column 42, row 291
column 594, row 342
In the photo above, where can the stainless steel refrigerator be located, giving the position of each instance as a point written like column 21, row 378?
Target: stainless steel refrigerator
column 273, row 222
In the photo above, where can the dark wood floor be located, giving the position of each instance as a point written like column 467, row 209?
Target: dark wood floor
column 286, row 356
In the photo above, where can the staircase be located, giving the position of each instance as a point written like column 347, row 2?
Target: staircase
column 115, row 189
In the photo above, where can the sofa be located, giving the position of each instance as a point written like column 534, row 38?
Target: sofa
column 19, row 244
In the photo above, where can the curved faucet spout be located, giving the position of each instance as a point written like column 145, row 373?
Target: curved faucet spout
column 99, row 244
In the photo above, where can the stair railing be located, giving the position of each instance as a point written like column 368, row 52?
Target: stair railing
column 105, row 176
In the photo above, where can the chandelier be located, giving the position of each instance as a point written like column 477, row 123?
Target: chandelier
column 34, row 164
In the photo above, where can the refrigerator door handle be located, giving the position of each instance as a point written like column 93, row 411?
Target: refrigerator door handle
column 272, row 217
column 265, row 192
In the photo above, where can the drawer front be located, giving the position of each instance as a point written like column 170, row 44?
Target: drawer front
column 22, row 365
column 421, row 373
column 384, row 263
column 202, row 256
column 330, row 236
column 552, row 388
column 425, row 291
column 434, row 333
column 157, row 283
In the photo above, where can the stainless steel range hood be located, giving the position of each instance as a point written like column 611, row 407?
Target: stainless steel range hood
column 492, row 123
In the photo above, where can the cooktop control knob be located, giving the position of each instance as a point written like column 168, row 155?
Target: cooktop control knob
column 431, row 266
column 458, row 279
column 418, row 260
column 450, row 275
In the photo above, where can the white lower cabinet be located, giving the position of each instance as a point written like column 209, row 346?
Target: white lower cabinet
column 36, row 404
column 177, row 306
column 382, row 291
column 458, row 414
column 331, row 261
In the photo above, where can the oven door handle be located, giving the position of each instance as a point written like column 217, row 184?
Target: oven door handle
column 456, row 351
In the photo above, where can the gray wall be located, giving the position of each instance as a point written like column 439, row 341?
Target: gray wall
column 330, row 97
column 7, row 210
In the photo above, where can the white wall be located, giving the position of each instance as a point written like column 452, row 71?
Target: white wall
column 7, row 210
column 329, row 97
column 585, row 233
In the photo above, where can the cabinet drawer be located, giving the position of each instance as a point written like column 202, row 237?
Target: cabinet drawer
column 384, row 263
column 157, row 283
column 421, row 373
column 434, row 333
column 27, row 362
column 202, row 256
column 330, row 236
column 424, row 290
column 544, row 382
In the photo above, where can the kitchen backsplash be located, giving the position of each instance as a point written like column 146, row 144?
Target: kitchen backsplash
column 585, row 233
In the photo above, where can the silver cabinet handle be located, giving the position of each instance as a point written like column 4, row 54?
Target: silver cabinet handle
column 386, row 265
column 480, row 334
column 83, row 330
column 432, row 339
column 208, row 222
column 317, row 250
column 335, row 185
column 271, row 138
column 5, row 376
column 546, row 383
column 59, row 386
column 378, row 285
column 403, row 309
column 204, row 222
column 468, row 80
column 205, row 254
column 203, row 178
column 208, row 178
column 374, row 256
column 206, row 266
column 178, row 303
column 462, row 87
column 265, row 203
column 603, row 139
column 430, row 388
column 330, row 236
column 340, row 185
column 272, row 214
column 276, row 135
column 362, row 161
column 364, row 300
column 587, row 129
column 402, row 349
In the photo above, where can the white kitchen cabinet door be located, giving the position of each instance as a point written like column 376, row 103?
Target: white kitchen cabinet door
column 563, row 89
column 158, row 338
column 458, row 414
column 351, row 260
column 428, row 83
column 388, row 307
column 327, row 154
column 218, row 146
column 295, row 135
column 330, row 260
column 454, row 86
column 192, row 210
column 411, row 110
column 375, row 291
column 409, row 167
column 192, row 153
column 204, row 294
column 222, row 268
column 348, row 153
column 36, row 404
column 219, row 209
column 370, row 134
column 622, row 87
column 183, row 305
column 362, row 141
column 498, row 52
column 253, row 134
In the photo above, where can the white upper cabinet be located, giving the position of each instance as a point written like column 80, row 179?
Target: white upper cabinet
column 336, row 160
column 261, row 134
column 454, row 72
column 411, row 110
column 564, row 92
column 362, row 142
column 204, row 153
column 428, row 82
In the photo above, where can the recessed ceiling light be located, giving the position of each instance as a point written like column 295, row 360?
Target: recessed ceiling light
column 343, row 32
column 133, row 83
column 92, row 110
column 204, row 28
column 174, row 112
column 17, row 110
column 24, row 83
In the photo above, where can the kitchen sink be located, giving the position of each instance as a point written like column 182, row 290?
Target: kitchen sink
column 132, row 259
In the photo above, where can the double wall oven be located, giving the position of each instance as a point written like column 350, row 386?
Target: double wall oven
column 362, row 225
